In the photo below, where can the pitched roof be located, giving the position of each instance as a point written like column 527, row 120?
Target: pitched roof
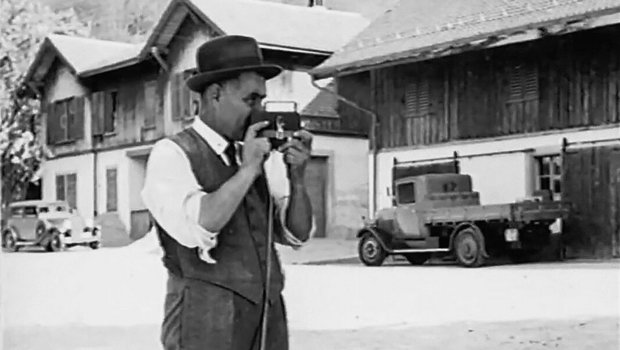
column 272, row 24
column 79, row 54
column 414, row 28
column 323, row 104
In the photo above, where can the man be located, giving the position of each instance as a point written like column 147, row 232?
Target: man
column 209, row 196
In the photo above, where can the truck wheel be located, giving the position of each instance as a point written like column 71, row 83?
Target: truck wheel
column 370, row 250
column 417, row 258
column 469, row 248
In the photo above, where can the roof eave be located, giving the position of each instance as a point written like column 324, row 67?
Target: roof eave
column 308, row 51
column 462, row 44
column 110, row 67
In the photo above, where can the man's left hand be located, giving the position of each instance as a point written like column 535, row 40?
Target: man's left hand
column 296, row 153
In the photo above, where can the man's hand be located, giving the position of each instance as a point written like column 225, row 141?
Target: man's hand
column 296, row 154
column 255, row 149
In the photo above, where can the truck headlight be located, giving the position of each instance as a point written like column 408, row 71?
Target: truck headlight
column 511, row 235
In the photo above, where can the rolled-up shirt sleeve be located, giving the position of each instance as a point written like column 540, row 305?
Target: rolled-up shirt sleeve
column 172, row 194
column 279, row 188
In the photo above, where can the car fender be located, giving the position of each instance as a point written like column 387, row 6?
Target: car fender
column 383, row 237
column 460, row 227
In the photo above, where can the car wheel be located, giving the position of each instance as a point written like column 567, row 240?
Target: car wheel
column 9, row 241
column 469, row 248
column 370, row 250
column 94, row 245
column 56, row 244
column 417, row 258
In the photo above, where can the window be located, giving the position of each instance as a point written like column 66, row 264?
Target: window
column 549, row 177
column 523, row 83
column 66, row 189
column 417, row 99
column 110, row 112
column 17, row 211
column 65, row 120
column 406, row 193
column 30, row 212
column 111, row 190
column 185, row 103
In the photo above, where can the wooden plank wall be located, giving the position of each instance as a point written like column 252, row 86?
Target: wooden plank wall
column 591, row 184
column 578, row 85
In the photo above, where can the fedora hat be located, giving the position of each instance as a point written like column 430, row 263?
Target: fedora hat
column 227, row 56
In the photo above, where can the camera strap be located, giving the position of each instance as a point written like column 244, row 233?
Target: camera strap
column 268, row 270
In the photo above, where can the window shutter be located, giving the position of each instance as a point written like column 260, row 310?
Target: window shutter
column 150, row 106
column 49, row 123
column 78, row 122
column 97, row 110
column 417, row 99
column 60, row 187
column 71, row 118
column 175, row 93
column 63, row 121
column 523, row 83
column 187, row 95
column 111, row 191
column 72, row 190
column 110, row 111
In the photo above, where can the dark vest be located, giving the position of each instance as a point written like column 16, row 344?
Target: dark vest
column 241, row 249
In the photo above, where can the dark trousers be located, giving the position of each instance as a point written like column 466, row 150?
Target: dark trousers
column 204, row 316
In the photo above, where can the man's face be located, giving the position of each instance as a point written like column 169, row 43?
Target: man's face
column 237, row 99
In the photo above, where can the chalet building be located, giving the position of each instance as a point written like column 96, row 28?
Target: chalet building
column 107, row 103
column 523, row 96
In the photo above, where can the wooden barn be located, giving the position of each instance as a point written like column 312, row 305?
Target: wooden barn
column 521, row 95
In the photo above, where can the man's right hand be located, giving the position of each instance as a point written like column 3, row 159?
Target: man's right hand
column 255, row 149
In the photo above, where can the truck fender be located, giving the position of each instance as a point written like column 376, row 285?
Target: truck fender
column 477, row 232
column 382, row 237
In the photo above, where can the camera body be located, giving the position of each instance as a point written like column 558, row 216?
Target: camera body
column 281, row 127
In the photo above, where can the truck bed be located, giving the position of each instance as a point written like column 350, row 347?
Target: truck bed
column 512, row 212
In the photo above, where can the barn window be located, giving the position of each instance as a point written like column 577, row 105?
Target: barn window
column 549, row 174
column 66, row 189
column 522, row 83
column 417, row 99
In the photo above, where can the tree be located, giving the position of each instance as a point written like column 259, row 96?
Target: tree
column 23, row 27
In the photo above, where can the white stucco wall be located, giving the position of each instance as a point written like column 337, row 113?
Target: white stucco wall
column 82, row 166
column 498, row 178
column 347, row 182
column 64, row 85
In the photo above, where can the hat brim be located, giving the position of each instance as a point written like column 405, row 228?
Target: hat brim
column 200, row 81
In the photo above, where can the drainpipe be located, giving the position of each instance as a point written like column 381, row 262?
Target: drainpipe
column 372, row 138
column 157, row 54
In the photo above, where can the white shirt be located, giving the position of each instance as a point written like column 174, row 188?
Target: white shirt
column 173, row 196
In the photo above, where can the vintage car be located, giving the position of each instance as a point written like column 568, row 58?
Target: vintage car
column 53, row 225
column 441, row 214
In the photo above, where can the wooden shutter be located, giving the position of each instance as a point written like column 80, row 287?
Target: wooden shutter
column 176, row 95
column 110, row 111
column 523, row 83
column 60, row 187
column 111, row 190
column 50, row 122
column 97, row 112
column 71, row 118
column 78, row 125
column 417, row 99
column 186, row 95
column 71, row 184
column 63, row 121
column 150, row 103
